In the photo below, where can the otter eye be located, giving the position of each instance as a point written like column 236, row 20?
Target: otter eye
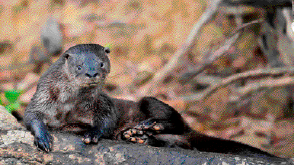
column 79, row 67
column 101, row 64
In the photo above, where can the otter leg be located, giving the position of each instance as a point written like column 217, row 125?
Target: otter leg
column 160, row 119
column 43, row 139
column 105, row 118
column 102, row 129
column 155, row 132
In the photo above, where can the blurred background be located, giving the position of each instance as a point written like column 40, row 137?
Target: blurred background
column 225, row 66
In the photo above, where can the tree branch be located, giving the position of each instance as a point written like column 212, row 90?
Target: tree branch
column 277, row 72
column 185, row 48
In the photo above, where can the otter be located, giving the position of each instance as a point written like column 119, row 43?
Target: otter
column 69, row 94
column 69, row 97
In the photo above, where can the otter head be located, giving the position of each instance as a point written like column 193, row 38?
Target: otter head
column 87, row 64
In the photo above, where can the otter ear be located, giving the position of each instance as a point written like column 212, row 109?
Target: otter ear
column 66, row 56
column 107, row 50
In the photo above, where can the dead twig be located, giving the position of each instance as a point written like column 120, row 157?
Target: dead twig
column 287, row 14
column 244, row 94
column 265, row 84
column 29, row 87
column 237, row 77
column 211, row 57
column 249, row 24
column 185, row 48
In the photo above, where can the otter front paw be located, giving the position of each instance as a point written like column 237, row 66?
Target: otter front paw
column 91, row 136
column 44, row 141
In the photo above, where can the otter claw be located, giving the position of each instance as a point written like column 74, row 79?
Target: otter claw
column 91, row 136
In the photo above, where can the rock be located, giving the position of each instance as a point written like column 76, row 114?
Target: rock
column 261, row 3
column 16, row 147
column 8, row 122
column 52, row 37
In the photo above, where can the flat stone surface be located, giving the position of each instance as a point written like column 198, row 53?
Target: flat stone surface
column 16, row 147
column 69, row 149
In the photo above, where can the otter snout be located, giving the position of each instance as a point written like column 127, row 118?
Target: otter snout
column 91, row 75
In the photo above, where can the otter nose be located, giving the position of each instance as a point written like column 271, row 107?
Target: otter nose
column 91, row 75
